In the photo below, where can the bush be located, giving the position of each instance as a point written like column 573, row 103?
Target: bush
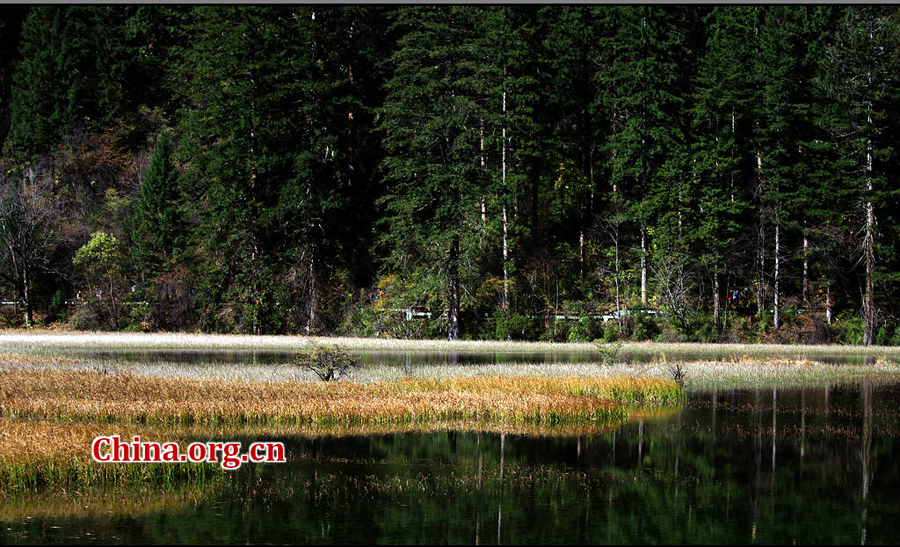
column 888, row 335
column 609, row 332
column 557, row 331
column 644, row 327
column 517, row 327
column 582, row 330
column 848, row 328
column 57, row 308
column 85, row 319
column 330, row 363
column 608, row 351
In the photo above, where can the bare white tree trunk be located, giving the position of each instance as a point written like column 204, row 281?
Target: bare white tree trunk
column 869, row 248
column 643, row 266
column 483, row 166
column 717, row 307
column 761, row 240
column 505, row 220
column 777, row 317
column 805, row 269
column 311, row 317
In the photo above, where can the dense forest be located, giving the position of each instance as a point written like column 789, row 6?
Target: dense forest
column 670, row 173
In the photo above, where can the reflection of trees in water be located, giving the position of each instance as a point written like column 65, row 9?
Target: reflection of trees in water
column 699, row 476
column 865, row 453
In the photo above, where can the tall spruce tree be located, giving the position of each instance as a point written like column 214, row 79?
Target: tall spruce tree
column 859, row 73
column 721, row 122
column 11, row 19
column 645, row 104
column 157, row 225
column 432, row 118
column 271, row 146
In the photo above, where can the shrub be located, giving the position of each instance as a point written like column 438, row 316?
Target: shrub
column 609, row 332
column 517, row 327
column 644, row 327
column 608, row 351
column 330, row 363
column 582, row 330
column 57, row 308
column 85, row 319
column 848, row 328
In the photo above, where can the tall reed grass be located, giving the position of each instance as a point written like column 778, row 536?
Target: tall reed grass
column 106, row 398
column 35, row 453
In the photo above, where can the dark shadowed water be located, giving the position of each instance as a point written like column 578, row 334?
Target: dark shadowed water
column 759, row 466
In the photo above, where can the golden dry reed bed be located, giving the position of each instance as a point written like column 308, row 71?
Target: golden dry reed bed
column 97, row 397
column 48, row 418
column 38, row 453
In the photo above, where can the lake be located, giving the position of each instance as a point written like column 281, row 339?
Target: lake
column 810, row 465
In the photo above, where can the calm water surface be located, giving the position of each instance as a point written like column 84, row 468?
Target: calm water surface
column 758, row 466
column 429, row 357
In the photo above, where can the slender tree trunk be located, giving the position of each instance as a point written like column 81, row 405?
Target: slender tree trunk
column 761, row 241
column 643, row 266
column 453, row 296
column 483, row 167
column 26, row 292
column 112, row 301
column 776, row 319
column 505, row 303
column 534, row 178
column 312, row 316
column 869, row 246
column 717, row 306
column 805, row 268
column 828, row 304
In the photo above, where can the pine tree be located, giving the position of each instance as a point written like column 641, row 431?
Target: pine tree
column 270, row 157
column 646, row 84
column 11, row 19
column 157, row 225
column 722, row 118
column 859, row 71
column 432, row 118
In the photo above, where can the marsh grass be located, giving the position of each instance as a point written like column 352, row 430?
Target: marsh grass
column 50, row 417
column 36, row 454
column 96, row 397
column 747, row 372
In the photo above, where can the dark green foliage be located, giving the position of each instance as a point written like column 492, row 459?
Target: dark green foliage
column 434, row 113
column 353, row 169
column 11, row 19
column 157, row 223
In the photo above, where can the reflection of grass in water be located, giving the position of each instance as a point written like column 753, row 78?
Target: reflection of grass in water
column 87, row 501
column 41, row 454
column 51, row 416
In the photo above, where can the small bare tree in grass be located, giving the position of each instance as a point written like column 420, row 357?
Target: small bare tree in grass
column 330, row 363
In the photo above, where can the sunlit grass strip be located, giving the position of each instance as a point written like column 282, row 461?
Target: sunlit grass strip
column 96, row 397
column 627, row 390
column 35, row 454
column 747, row 373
